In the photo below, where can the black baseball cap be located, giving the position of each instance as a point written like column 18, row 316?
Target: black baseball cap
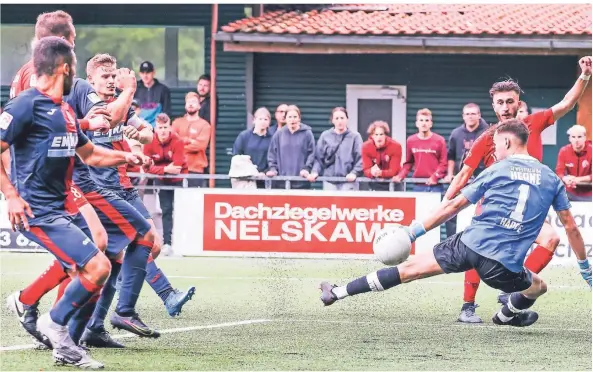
column 146, row 66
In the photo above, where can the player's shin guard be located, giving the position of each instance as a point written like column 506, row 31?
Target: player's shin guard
column 44, row 283
column 78, row 322
column 133, row 274
column 157, row 280
column 378, row 281
column 78, row 293
column 538, row 259
column 97, row 322
column 470, row 286
column 517, row 303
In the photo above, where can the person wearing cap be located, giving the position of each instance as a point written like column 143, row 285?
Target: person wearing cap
column 195, row 134
column 153, row 96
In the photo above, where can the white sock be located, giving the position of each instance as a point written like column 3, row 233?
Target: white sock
column 340, row 292
column 503, row 317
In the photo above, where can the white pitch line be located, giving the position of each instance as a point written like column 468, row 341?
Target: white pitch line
column 170, row 330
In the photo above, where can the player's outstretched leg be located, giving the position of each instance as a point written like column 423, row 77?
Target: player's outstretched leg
column 133, row 275
column 514, row 312
column 470, row 288
column 173, row 299
column 24, row 303
column 417, row 267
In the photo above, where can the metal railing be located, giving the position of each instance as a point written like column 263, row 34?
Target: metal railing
column 287, row 180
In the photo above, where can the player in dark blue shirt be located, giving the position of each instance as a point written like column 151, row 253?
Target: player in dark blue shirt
column 518, row 193
column 102, row 73
column 45, row 138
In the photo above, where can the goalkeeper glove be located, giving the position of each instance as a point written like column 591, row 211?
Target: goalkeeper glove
column 415, row 230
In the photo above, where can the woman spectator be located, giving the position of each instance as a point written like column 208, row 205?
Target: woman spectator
column 381, row 156
column 338, row 153
column 292, row 150
column 256, row 142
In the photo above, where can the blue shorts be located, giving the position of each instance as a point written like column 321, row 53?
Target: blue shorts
column 62, row 238
column 80, row 222
column 132, row 197
column 122, row 222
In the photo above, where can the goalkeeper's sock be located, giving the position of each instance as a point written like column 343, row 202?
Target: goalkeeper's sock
column 378, row 281
column 517, row 303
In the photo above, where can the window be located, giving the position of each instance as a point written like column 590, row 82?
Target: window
column 177, row 53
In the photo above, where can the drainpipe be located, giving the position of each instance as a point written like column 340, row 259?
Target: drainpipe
column 213, row 100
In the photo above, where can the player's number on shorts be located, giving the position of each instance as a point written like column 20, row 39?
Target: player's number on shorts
column 519, row 211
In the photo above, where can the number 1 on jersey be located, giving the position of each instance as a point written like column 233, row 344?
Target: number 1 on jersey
column 519, row 211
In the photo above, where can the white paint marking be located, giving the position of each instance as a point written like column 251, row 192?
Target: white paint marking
column 170, row 330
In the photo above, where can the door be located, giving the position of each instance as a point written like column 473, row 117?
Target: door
column 367, row 103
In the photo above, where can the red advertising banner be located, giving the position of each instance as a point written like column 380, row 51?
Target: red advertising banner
column 298, row 223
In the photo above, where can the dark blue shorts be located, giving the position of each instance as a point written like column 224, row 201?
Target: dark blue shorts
column 122, row 222
column 453, row 256
column 62, row 238
column 132, row 197
column 80, row 222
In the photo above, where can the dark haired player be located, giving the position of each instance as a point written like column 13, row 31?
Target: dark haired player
column 506, row 103
column 517, row 193
column 45, row 138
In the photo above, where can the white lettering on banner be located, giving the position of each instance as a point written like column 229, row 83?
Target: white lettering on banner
column 226, row 210
column 294, row 231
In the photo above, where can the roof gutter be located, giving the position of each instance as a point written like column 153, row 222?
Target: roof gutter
column 572, row 42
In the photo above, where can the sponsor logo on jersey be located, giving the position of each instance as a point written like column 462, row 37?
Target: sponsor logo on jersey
column 63, row 145
column 113, row 135
column 5, row 120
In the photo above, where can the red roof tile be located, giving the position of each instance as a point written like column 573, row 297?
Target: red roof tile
column 424, row 19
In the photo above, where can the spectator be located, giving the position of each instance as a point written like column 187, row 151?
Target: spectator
column 203, row 87
column 256, row 142
column 153, row 96
column 338, row 154
column 381, row 156
column 462, row 139
column 574, row 164
column 195, row 134
column 523, row 111
column 292, row 150
column 460, row 142
column 426, row 152
column 280, row 116
column 166, row 151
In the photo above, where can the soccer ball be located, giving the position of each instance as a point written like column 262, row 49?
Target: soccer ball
column 392, row 246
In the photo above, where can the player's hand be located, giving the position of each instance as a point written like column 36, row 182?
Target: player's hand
column 173, row 169
column 18, row 210
column 585, row 64
column 125, row 79
column 351, row 177
column 131, row 132
column 99, row 123
column 312, row 177
column 397, row 179
column 432, row 181
column 271, row 173
column 134, row 159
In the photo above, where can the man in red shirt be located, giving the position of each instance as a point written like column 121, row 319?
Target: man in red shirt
column 167, row 152
column 427, row 153
column 574, row 164
column 381, row 155
column 505, row 101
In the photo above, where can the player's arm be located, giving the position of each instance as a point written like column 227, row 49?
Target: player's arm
column 459, row 181
column 575, row 93
column 145, row 134
column 98, row 156
column 126, row 81
column 15, row 121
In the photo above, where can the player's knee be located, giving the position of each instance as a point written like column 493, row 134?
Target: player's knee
column 98, row 268
column 149, row 236
column 549, row 240
column 539, row 285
